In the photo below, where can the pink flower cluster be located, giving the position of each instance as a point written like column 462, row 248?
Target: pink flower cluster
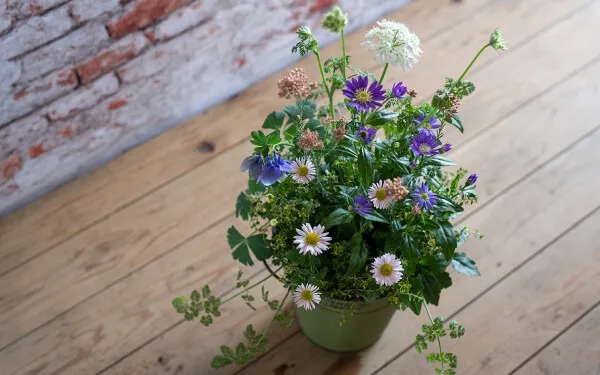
column 295, row 85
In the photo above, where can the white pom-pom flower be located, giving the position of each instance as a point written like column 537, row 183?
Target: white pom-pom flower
column 312, row 239
column 393, row 43
column 387, row 269
column 307, row 296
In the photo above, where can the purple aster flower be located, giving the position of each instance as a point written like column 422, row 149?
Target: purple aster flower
column 413, row 164
column 424, row 198
column 428, row 126
column 273, row 170
column 398, row 89
column 425, row 143
column 472, row 179
column 253, row 164
column 445, row 148
column 366, row 134
column 362, row 205
column 362, row 96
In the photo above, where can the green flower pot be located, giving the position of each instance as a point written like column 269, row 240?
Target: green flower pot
column 361, row 329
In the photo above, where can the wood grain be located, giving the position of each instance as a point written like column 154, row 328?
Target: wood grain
column 527, row 309
column 85, row 201
column 113, row 248
column 578, row 348
column 512, row 233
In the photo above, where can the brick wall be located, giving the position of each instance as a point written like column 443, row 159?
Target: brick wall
column 83, row 80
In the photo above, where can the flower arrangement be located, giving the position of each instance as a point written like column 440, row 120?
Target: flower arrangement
column 342, row 214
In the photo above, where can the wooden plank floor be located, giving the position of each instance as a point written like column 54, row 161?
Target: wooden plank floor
column 87, row 273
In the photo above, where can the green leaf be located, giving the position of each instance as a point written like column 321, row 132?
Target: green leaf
column 258, row 138
column 227, row 351
column 397, row 226
column 219, row 361
column 255, row 187
column 180, row 304
column 242, row 206
column 240, row 349
column 439, row 161
column 431, row 288
column 436, row 263
column 234, row 237
column 274, row 138
column 410, row 252
column 205, row 291
column 382, row 117
column 358, row 253
column 375, row 216
column 337, row 217
column 457, row 123
column 274, row 120
column 448, row 205
column 403, row 164
column 259, row 246
column 465, row 265
column 446, row 238
column 365, row 166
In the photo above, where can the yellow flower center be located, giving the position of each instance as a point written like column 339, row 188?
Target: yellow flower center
column 424, row 196
column 363, row 96
column 386, row 270
column 423, row 147
column 302, row 171
column 380, row 194
column 312, row 239
column 306, row 295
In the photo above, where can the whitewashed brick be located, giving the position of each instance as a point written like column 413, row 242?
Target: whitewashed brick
column 10, row 72
column 5, row 23
column 27, row 98
column 84, row 10
column 20, row 9
column 82, row 99
column 74, row 47
column 20, row 134
column 187, row 17
column 35, row 32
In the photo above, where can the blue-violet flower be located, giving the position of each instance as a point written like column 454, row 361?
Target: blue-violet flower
column 273, row 170
column 424, row 198
column 425, row 143
column 362, row 205
column 366, row 134
column 362, row 96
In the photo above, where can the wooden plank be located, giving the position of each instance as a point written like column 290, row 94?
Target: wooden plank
column 576, row 351
column 139, row 309
column 528, row 308
column 170, row 221
column 115, row 253
column 82, row 203
column 512, row 234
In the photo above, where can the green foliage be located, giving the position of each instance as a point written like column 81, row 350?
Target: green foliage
column 337, row 217
column 307, row 41
column 465, row 265
column 198, row 303
column 244, row 352
column 240, row 245
column 274, row 121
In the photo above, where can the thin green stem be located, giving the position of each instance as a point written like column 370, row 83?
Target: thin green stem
column 343, row 56
column 329, row 92
column 272, row 320
column 250, row 287
column 385, row 67
column 472, row 62
column 270, row 270
column 437, row 337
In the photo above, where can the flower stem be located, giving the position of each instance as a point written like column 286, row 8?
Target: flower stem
column 270, row 270
column 472, row 62
column 329, row 92
column 250, row 287
column 272, row 320
column 383, row 73
column 437, row 337
column 343, row 56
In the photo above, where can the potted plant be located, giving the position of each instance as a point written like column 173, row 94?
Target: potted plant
column 355, row 227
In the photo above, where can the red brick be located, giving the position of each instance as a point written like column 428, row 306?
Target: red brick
column 35, row 32
column 115, row 55
column 70, row 49
column 321, row 5
column 18, row 135
column 143, row 13
column 10, row 166
column 186, row 18
column 116, row 104
column 36, row 150
column 86, row 97
column 25, row 99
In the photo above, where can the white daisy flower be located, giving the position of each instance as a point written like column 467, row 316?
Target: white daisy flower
column 393, row 43
column 387, row 269
column 303, row 170
column 312, row 239
column 307, row 296
column 379, row 196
